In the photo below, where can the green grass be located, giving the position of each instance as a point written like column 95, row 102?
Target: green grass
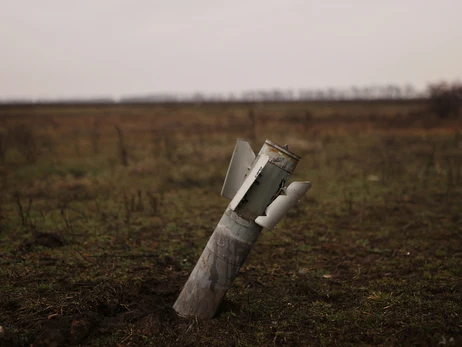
column 95, row 253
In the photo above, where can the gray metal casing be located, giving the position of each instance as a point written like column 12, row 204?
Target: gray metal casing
column 256, row 186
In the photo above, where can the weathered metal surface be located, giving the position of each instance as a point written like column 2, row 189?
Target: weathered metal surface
column 217, row 266
column 280, row 156
column 239, row 166
column 254, row 184
column 202, row 293
column 250, row 180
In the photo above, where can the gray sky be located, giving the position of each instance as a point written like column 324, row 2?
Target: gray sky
column 59, row 48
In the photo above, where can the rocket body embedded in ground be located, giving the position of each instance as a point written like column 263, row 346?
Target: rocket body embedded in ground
column 256, row 186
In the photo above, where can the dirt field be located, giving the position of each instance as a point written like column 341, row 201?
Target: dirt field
column 104, row 211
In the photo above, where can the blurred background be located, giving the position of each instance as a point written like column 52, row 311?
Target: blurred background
column 116, row 48
column 117, row 123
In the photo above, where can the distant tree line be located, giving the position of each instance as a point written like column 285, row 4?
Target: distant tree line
column 387, row 92
column 445, row 97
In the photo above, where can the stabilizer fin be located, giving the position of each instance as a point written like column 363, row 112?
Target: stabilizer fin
column 239, row 166
column 279, row 207
column 249, row 180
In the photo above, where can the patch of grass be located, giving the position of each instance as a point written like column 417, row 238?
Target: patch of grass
column 100, row 229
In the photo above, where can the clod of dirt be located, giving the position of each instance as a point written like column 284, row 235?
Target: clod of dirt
column 50, row 240
column 13, row 339
column 81, row 326
column 132, row 315
column 170, row 261
column 109, row 324
column 110, row 309
column 10, row 305
column 54, row 332
column 67, row 330
column 51, row 338
column 150, row 325
column 156, row 322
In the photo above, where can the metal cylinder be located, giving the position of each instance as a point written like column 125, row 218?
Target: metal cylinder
column 218, row 266
column 280, row 156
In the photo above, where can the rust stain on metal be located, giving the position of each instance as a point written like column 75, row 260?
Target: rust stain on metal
column 280, row 156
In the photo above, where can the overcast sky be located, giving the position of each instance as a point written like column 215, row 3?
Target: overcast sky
column 59, row 48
